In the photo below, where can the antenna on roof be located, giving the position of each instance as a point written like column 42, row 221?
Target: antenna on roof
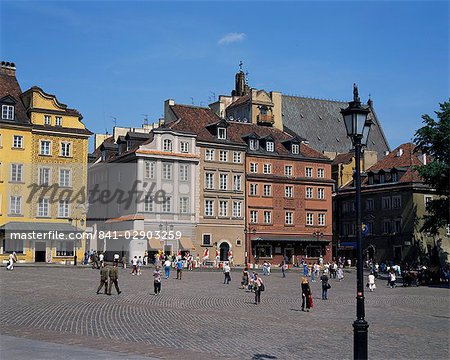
column 240, row 65
column 145, row 118
column 114, row 120
column 213, row 95
column 192, row 100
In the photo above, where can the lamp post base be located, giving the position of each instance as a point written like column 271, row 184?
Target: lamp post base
column 360, row 339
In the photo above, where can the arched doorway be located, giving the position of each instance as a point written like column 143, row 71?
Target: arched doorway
column 224, row 248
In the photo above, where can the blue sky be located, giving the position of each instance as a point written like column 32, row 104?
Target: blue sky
column 123, row 59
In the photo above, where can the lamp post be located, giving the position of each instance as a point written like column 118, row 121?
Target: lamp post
column 161, row 226
column 358, row 127
column 319, row 236
column 71, row 220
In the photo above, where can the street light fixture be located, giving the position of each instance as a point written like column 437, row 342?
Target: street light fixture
column 358, row 128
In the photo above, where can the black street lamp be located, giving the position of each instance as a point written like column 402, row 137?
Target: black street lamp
column 358, row 128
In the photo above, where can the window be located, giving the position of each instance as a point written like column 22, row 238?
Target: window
column 321, row 193
column 237, row 182
column 263, row 251
column 15, row 205
column 184, row 172
column 369, row 228
column 64, row 248
column 167, row 204
column 58, row 120
column 382, row 179
column 149, row 169
column 369, row 204
column 47, row 120
column 148, row 203
column 396, row 202
column 209, row 207
column 267, row 217
column 44, row 176
column 223, row 155
column 209, row 155
column 386, row 227
column 309, row 192
column 223, row 182
column 167, row 171
column 206, row 239
column 43, row 208
column 254, row 144
column 16, row 172
column 63, row 210
column 288, row 170
column 223, row 208
column 253, row 189
column 288, row 217
column 394, row 177
column 66, row 149
column 267, row 168
column 253, row 167
column 398, row 226
column 295, row 148
column 320, row 173
column 267, row 190
column 308, row 172
column 8, row 112
column 253, row 216
column 17, row 142
column 184, row 147
column 45, row 148
column 386, row 202
column 288, row 191
column 184, row 205
column 313, row 251
column 128, row 145
column 237, row 209
column 167, row 145
column 64, row 177
column 270, row 146
column 13, row 245
column 221, row 133
column 309, row 219
column 321, row 219
column 370, row 179
column 209, row 180
column 237, row 157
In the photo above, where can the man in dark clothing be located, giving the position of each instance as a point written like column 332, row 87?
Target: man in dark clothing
column 325, row 286
column 104, row 273
column 113, row 278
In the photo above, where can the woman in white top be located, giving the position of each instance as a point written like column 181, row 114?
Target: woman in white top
column 167, row 264
column 371, row 282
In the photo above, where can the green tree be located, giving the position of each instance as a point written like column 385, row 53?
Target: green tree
column 433, row 139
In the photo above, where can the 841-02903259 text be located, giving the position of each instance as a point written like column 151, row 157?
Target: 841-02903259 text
column 140, row 235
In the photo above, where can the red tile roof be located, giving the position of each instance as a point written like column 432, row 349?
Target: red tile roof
column 345, row 158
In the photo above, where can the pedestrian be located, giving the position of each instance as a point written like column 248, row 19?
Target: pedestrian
column 134, row 263
column 116, row 258
column 284, row 267
column 371, row 282
column 305, row 269
column 167, row 265
column 306, row 295
column 325, row 286
column 340, row 273
column 179, row 268
column 157, row 280
column 113, row 279
column 124, row 262
column 226, row 272
column 265, row 266
column 101, row 258
column 95, row 260
column 11, row 260
column 104, row 273
column 268, row 268
column 313, row 273
column 391, row 279
column 245, row 276
column 258, row 285
column 139, row 265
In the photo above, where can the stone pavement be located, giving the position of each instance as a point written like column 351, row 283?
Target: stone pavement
column 200, row 318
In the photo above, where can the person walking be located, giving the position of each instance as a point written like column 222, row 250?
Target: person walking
column 116, row 258
column 284, row 267
column 157, row 280
column 134, row 262
column 179, row 268
column 392, row 279
column 245, row 276
column 139, row 265
column 124, row 262
column 11, row 259
column 95, row 260
column 167, row 265
column 258, row 286
column 371, row 282
column 114, row 279
column 325, row 286
column 340, row 273
column 226, row 272
column 104, row 273
column 101, row 258
column 306, row 295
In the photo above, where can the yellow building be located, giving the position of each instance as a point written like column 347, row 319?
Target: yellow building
column 43, row 174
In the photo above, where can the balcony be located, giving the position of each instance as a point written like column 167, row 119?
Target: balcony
column 265, row 119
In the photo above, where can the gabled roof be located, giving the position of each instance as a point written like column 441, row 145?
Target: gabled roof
column 320, row 122
column 345, row 158
column 10, row 86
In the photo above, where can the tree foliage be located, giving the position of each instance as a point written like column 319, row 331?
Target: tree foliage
column 433, row 139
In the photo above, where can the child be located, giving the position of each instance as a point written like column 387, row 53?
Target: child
column 157, row 281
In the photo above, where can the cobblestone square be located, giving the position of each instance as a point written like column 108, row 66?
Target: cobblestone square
column 201, row 318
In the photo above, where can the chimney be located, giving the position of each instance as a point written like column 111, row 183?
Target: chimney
column 8, row 68
column 399, row 152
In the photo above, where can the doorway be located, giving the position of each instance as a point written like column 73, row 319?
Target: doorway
column 370, row 253
column 224, row 248
column 288, row 253
column 397, row 253
column 40, row 251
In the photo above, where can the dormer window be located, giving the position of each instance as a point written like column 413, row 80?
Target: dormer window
column 295, row 148
column 222, row 133
column 128, row 145
column 382, row 179
column 7, row 112
column 254, row 144
column 394, row 177
column 370, row 179
column 167, row 145
column 270, row 146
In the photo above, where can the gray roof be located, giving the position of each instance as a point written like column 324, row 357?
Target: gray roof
column 320, row 122
column 27, row 226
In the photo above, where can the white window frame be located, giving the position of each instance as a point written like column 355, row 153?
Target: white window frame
column 65, row 145
column 267, row 168
column 237, row 182
column 223, row 208
column 295, row 148
column 267, row 190
column 184, row 205
column 209, row 154
column 254, row 168
column 166, row 206
column 44, row 172
column 253, row 191
column 254, row 144
column 321, row 193
column 16, row 172
column 253, row 216
column 308, row 171
column 17, row 142
column 15, row 205
column 237, row 209
column 223, row 155
column 8, row 112
column 289, row 191
column 288, row 170
column 267, row 217
column 43, row 207
column 309, row 192
column 184, row 172
column 310, row 219
column 321, row 219
column 270, row 146
column 58, row 120
column 167, row 145
column 43, row 150
column 223, row 181
column 237, row 157
column 288, row 218
column 47, row 119
column 209, row 208
column 209, row 180
column 148, row 203
column 63, row 209
column 65, row 184
column 149, row 169
column 221, row 133
column 321, row 173
column 184, row 146
column 167, row 171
